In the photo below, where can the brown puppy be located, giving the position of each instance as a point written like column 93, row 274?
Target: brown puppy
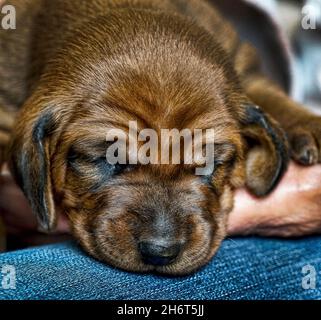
column 83, row 67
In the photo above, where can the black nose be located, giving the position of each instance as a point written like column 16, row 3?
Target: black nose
column 158, row 253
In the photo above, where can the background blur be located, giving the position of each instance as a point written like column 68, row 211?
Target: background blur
column 300, row 23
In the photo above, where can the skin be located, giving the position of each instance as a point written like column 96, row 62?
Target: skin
column 293, row 209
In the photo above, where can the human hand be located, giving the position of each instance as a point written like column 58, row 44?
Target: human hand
column 293, row 209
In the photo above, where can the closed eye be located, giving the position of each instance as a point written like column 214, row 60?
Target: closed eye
column 81, row 162
column 110, row 169
column 224, row 155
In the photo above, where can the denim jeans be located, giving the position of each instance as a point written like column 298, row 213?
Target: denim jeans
column 244, row 268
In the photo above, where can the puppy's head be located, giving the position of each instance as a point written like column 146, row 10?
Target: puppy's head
column 143, row 217
column 154, row 216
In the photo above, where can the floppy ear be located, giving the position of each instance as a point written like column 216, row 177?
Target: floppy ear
column 30, row 165
column 267, row 154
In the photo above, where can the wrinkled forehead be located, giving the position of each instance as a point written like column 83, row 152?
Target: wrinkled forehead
column 199, row 110
column 212, row 114
column 93, row 131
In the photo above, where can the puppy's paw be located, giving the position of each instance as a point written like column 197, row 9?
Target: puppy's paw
column 305, row 141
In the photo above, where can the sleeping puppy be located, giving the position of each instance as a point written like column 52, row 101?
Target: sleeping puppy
column 80, row 68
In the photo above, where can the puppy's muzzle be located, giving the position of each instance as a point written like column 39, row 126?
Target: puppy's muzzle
column 159, row 252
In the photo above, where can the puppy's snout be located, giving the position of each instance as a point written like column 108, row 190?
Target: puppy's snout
column 159, row 253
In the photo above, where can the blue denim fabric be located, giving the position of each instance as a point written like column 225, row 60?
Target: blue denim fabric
column 250, row 268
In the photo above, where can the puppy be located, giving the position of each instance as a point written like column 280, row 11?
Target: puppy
column 84, row 67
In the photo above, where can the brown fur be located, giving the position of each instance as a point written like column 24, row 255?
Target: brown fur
column 167, row 64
